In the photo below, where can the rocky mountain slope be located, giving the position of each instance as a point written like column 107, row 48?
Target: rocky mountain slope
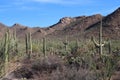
column 111, row 26
column 76, row 27
column 81, row 26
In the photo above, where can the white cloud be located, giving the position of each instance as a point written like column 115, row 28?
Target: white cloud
column 49, row 1
column 24, row 4
column 46, row 1
column 64, row 1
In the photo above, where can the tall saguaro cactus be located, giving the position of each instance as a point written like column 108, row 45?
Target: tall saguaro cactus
column 44, row 46
column 6, row 55
column 100, row 38
column 15, row 48
column 28, row 42
column 100, row 44
column 6, row 51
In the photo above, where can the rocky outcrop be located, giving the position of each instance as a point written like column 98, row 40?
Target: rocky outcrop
column 66, row 20
column 76, row 26
column 62, row 23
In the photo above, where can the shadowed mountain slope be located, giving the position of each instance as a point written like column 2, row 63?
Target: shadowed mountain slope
column 111, row 26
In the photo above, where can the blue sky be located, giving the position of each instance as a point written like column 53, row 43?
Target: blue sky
column 44, row 13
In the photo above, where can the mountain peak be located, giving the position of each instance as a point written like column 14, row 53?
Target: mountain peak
column 98, row 15
column 17, row 24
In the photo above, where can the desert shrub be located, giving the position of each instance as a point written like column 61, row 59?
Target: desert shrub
column 54, row 68
column 35, row 48
column 72, row 74
column 23, row 73
column 47, row 64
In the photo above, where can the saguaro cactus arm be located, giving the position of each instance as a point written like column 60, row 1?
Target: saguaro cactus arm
column 96, row 43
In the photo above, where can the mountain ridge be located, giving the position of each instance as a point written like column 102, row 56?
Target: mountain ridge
column 80, row 26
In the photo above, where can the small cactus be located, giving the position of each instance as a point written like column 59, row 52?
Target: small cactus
column 30, row 43
column 26, row 41
column 109, row 47
column 77, row 44
column 65, row 43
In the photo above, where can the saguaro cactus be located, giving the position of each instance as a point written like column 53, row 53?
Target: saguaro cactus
column 15, row 47
column 66, row 43
column 100, row 38
column 28, row 42
column 44, row 46
column 100, row 44
column 5, row 51
column 109, row 47
column 6, row 55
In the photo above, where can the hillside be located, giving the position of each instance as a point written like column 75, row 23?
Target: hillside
column 111, row 26
column 76, row 27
